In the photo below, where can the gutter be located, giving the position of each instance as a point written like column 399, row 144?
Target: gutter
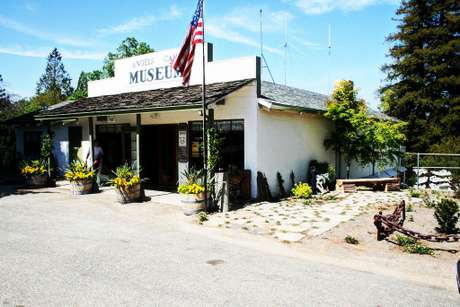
column 268, row 106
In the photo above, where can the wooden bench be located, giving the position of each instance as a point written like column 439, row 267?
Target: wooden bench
column 349, row 188
column 377, row 184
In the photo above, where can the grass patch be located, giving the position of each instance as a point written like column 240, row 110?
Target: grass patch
column 351, row 240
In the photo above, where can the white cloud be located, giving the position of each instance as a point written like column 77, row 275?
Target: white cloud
column 38, row 52
column 43, row 52
column 314, row 7
column 40, row 33
column 139, row 23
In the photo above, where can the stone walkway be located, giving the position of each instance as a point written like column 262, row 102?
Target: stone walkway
column 293, row 220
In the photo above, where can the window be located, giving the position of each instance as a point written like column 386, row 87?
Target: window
column 32, row 144
column 232, row 150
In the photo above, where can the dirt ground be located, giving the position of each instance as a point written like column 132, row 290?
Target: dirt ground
column 387, row 257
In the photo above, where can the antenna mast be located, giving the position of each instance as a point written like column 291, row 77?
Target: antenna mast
column 262, row 52
column 285, row 52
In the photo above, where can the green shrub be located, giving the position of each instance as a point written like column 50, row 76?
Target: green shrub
column 351, row 240
column 403, row 241
column 412, row 246
column 302, row 190
column 414, row 193
column 447, row 213
column 202, row 217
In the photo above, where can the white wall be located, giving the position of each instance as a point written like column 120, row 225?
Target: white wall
column 243, row 105
column 288, row 141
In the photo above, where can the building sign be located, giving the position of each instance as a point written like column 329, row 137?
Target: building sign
column 148, row 68
column 183, row 148
column 183, row 138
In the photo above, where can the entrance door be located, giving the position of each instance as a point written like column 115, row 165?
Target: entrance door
column 75, row 138
column 167, row 141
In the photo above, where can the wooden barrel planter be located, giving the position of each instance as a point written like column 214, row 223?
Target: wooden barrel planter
column 193, row 203
column 37, row 181
column 81, row 187
column 128, row 195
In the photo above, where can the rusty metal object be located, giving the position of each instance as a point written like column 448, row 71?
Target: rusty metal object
column 386, row 224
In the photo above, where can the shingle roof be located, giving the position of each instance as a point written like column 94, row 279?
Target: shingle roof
column 147, row 100
column 293, row 97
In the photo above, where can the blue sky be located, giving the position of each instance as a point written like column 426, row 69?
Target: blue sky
column 85, row 31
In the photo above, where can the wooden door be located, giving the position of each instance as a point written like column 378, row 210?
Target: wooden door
column 167, row 139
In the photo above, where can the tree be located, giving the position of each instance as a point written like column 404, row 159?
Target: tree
column 424, row 75
column 128, row 48
column 383, row 139
column 350, row 118
column 81, row 91
column 359, row 136
column 5, row 102
column 55, row 82
column 7, row 133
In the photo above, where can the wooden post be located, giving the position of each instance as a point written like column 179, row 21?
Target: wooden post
column 138, row 150
column 91, row 139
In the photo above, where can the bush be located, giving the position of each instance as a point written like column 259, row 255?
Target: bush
column 414, row 193
column 351, row 240
column 302, row 190
column 412, row 246
column 447, row 213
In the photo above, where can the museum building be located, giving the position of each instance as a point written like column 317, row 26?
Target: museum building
column 145, row 114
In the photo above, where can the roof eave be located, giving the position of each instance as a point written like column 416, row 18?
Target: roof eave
column 267, row 105
column 118, row 112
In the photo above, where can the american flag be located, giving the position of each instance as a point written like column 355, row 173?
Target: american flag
column 194, row 35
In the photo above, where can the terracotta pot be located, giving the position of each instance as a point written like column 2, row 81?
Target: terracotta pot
column 128, row 195
column 37, row 181
column 193, row 203
column 81, row 187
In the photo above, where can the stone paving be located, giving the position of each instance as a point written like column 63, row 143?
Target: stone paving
column 293, row 220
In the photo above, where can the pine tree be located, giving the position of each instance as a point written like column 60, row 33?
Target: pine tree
column 423, row 80
column 55, row 82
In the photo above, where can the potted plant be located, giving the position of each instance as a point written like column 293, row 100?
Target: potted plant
column 35, row 172
column 80, row 177
column 192, row 191
column 127, row 183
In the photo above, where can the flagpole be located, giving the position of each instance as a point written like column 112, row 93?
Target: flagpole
column 205, row 130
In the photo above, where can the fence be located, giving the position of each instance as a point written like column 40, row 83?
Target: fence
column 431, row 170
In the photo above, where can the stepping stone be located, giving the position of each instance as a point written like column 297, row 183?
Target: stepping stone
column 240, row 222
column 289, row 236
column 214, row 223
column 291, row 228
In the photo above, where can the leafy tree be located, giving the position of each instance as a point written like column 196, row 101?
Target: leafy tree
column 359, row 136
column 5, row 102
column 55, row 82
column 424, row 75
column 350, row 118
column 7, row 133
column 81, row 91
column 383, row 139
column 128, row 48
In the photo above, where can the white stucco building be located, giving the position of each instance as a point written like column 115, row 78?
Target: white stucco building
column 145, row 114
